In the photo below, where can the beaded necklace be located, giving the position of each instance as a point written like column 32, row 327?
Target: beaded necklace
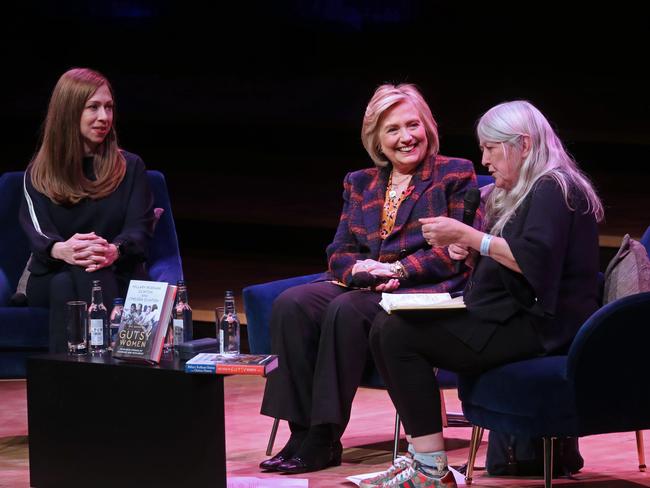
column 391, row 204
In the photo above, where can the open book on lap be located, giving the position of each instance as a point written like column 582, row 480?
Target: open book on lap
column 392, row 302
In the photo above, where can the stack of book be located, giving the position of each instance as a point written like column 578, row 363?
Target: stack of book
column 249, row 364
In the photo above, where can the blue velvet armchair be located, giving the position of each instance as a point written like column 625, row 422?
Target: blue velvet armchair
column 24, row 330
column 569, row 395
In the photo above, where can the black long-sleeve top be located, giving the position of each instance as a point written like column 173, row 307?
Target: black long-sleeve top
column 556, row 248
column 123, row 217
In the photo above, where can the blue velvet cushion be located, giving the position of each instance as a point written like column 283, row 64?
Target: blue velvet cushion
column 14, row 248
column 572, row 395
column 23, row 328
column 5, row 288
column 528, row 397
column 258, row 301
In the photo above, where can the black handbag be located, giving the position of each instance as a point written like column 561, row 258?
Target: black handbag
column 512, row 455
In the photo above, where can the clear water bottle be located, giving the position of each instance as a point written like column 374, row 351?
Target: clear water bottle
column 228, row 333
column 168, row 345
column 182, row 316
column 98, row 331
column 115, row 320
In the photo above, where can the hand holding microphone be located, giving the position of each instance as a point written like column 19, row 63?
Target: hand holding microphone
column 364, row 279
column 374, row 275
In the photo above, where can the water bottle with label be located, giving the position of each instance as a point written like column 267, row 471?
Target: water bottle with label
column 98, row 331
column 115, row 320
column 182, row 316
column 228, row 327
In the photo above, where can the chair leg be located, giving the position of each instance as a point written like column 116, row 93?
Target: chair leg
column 396, row 441
column 477, row 435
column 640, row 450
column 548, row 462
column 274, row 431
column 443, row 410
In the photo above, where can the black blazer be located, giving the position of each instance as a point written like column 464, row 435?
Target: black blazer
column 556, row 248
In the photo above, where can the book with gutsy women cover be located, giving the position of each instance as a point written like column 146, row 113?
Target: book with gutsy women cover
column 248, row 364
column 145, row 319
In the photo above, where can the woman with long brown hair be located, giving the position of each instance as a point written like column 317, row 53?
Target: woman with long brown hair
column 87, row 207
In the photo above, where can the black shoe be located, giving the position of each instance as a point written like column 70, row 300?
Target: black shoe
column 298, row 435
column 272, row 463
column 313, row 459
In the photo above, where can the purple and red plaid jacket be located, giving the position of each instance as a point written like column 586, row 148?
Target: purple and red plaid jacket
column 439, row 188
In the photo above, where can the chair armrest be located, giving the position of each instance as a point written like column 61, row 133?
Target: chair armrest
column 258, row 301
column 5, row 288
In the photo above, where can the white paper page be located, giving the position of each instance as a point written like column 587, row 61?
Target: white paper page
column 419, row 301
column 252, row 482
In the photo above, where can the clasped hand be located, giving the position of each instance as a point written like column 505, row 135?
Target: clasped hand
column 380, row 270
column 89, row 251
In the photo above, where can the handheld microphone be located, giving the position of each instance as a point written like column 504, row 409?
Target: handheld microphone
column 471, row 203
column 363, row 279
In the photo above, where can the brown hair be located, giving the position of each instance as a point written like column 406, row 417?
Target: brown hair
column 57, row 168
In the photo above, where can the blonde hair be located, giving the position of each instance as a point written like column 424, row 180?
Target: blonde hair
column 386, row 97
column 507, row 123
column 57, row 168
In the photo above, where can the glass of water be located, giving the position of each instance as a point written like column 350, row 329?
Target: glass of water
column 76, row 320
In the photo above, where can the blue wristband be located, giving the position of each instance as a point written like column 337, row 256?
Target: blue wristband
column 485, row 244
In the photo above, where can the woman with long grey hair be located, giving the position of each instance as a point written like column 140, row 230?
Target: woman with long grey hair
column 533, row 284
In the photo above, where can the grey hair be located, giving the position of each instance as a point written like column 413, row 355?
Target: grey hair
column 386, row 97
column 507, row 123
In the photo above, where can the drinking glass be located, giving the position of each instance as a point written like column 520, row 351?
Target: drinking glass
column 76, row 320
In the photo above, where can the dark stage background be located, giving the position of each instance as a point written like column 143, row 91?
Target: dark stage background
column 253, row 110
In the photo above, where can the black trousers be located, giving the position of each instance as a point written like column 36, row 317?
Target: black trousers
column 407, row 346
column 53, row 290
column 320, row 332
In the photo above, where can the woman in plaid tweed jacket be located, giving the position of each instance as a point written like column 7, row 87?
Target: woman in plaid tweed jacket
column 320, row 330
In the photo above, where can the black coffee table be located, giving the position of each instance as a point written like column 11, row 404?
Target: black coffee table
column 97, row 421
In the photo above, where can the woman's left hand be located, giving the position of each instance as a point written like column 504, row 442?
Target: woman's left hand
column 381, row 270
column 442, row 231
column 373, row 267
column 102, row 257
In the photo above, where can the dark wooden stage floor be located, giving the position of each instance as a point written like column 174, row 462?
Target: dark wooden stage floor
column 610, row 460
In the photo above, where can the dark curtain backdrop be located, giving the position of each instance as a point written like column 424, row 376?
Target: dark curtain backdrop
column 253, row 109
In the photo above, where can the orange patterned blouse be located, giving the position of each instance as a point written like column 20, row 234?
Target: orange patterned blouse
column 391, row 205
